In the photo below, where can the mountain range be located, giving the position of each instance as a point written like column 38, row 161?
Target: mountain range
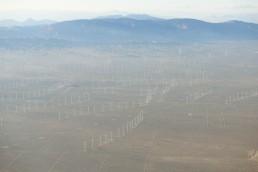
column 129, row 28
column 131, row 16
column 28, row 22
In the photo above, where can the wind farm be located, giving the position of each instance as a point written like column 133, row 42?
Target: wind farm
column 118, row 107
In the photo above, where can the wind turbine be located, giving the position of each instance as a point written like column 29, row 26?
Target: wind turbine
column 1, row 122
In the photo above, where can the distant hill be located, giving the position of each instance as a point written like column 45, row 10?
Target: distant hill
column 28, row 22
column 126, row 29
column 132, row 16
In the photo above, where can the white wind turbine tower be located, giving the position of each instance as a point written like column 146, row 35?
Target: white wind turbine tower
column 207, row 120
column 100, row 141
column 105, row 141
column 226, row 53
column 223, row 119
column 88, row 96
column 84, row 146
column 102, row 107
column 92, row 143
column 179, row 51
column 123, row 130
column 118, row 132
column 1, row 122
column 94, row 110
column 111, row 136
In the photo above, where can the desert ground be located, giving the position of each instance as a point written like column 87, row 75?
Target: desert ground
column 136, row 107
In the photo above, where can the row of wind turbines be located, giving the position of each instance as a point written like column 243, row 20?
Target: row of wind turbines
column 97, row 142
column 235, row 97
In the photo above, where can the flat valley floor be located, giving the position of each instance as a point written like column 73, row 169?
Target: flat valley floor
column 143, row 107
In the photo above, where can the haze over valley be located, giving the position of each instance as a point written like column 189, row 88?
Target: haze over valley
column 128, row 92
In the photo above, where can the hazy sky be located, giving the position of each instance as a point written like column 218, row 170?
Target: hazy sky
column 69, row 9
